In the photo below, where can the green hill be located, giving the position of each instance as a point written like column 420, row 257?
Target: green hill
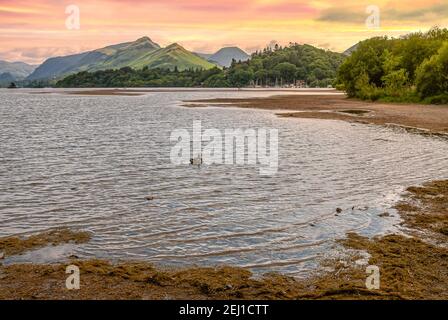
column 138, row 54
column 124, row 56
column 171, row 57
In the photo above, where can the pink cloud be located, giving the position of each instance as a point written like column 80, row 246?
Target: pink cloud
column 35, row 30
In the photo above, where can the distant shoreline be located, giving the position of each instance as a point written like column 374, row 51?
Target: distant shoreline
column 426, row 119
column 310, row 103
column 143, row 91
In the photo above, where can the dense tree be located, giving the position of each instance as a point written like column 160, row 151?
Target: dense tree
column 287, row 71
column 432, row 76
column 406, row 69
column 241, row 77
column 127, row 77
column 261, row 76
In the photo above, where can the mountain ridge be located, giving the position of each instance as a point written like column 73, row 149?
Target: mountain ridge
column 16, row 70
column 136, row 54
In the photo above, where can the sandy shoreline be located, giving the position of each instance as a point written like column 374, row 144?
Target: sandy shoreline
column 429, row 118
column 412, row 266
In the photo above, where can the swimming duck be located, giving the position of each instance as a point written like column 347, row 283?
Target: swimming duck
column 196, row 161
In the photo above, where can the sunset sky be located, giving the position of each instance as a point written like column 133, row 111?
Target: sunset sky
column 32, row 31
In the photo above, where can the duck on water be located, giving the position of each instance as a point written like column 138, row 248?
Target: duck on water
column 196, row 161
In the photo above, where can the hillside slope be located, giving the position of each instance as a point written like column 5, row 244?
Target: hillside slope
column 138, row 54
column 60, row 66
column 171, row 57
column 124, row 56
column 16, row 70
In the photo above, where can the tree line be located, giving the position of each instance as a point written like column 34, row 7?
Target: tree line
column 277, row 66
column 413, row 68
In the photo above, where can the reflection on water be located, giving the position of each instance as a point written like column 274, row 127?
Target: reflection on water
column 89, row 163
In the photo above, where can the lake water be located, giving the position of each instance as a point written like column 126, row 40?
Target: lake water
column 89, row 162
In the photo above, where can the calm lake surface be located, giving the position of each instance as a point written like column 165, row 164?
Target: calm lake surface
column 89, row 162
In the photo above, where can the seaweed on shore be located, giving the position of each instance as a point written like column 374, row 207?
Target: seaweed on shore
column 16, row 245
column 410, row 268
column 426, row 207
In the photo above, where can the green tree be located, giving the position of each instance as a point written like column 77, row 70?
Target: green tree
column 395, row 79
column 287, row 71
column 398, row 69
column 432, row 75
column 241, row 78
column 261, row 77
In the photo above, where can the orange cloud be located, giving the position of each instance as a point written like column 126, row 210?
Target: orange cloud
column 38, row 27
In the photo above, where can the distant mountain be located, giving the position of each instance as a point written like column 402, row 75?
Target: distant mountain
column 224, row 56
column 55, row 67
column 138, row 54
column 60, row 66
column 6, row 77
column 15, row 70
column 350, row 50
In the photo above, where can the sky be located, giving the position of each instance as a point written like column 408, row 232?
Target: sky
column 32, row 31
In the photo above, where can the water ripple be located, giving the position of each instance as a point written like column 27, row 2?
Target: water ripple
column 89, row 163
